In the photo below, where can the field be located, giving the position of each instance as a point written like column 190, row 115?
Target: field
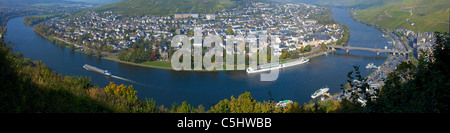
column 427, row 15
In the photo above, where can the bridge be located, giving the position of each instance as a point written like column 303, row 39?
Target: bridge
column 348, row 48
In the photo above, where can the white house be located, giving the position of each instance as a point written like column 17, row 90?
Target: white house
column 210, row 16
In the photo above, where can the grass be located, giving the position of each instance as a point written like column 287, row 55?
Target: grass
column 158, row 63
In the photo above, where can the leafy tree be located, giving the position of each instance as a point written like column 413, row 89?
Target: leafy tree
column 424, row 88
column 307, row 48
column 122, row 91
column 323, row 46
column 222, row 107
column 185, row 107
column 229, row 31
column 283, row 54
column 293, row 54
column 244, row 104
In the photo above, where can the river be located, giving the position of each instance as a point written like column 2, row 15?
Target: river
column 296, row 83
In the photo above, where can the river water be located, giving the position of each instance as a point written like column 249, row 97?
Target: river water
column 296, row 83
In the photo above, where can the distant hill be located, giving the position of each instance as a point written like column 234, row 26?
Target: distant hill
column 26, row 3
column 427, row 15
column 347, row 3
column 166, row 7
column 98, row 2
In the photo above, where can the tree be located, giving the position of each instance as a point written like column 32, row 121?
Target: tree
column 229, row 31
column 293, row 54
column 171, row 51
column 185, row 107
column 283, row 54
column 307, row 48
column 200, row 109
column 222, row 107
column 302, row 49
column 155, row 55
column 425, row 88
column 122, row 91
column 323, row 46
column 98, row 53
column 244, row 104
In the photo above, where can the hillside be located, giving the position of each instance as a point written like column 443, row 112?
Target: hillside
column 427, row 15
column 27, row 3
column 166, row 7
column 348, row 3
column 98, row 2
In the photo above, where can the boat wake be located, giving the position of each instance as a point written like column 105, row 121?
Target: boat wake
column 108, row 73
column 124, row 79
column 128, row 80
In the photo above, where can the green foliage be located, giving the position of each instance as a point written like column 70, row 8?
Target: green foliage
column 229, row 31
column 307, row 48
column 346, row 3
column 32, row 20
column 345, row 35
column 221, row 107
column 427, row 15
column 293, row 54
column 244, row 104
column 122, row 91
column 323, row 46
column 185, row 107
column 166, row 7
column 30, row 86
column 324, row 16
column 423, row 89
column 139, row 52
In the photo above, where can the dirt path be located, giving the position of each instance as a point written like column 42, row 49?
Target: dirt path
column 389, row 15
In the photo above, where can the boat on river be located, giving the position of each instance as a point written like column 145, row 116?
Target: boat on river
column 262, row 69
column 271, row 67
column 283, row 103
column 98, row 70
column 371, row 66
column 320, row 92
column 301, row 61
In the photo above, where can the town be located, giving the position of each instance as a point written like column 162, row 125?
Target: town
column 132, row 38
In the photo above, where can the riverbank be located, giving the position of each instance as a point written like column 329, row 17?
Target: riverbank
column 167, row 86
column 149, row 64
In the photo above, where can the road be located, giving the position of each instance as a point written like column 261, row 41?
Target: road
column 376, row 79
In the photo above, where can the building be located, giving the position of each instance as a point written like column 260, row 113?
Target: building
column 185, row 15
column 134, row 38
column 194, row 15
column 310, row 21
column 210, row 17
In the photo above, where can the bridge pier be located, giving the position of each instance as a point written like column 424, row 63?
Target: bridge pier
column 348, row 51
column 378, row 53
